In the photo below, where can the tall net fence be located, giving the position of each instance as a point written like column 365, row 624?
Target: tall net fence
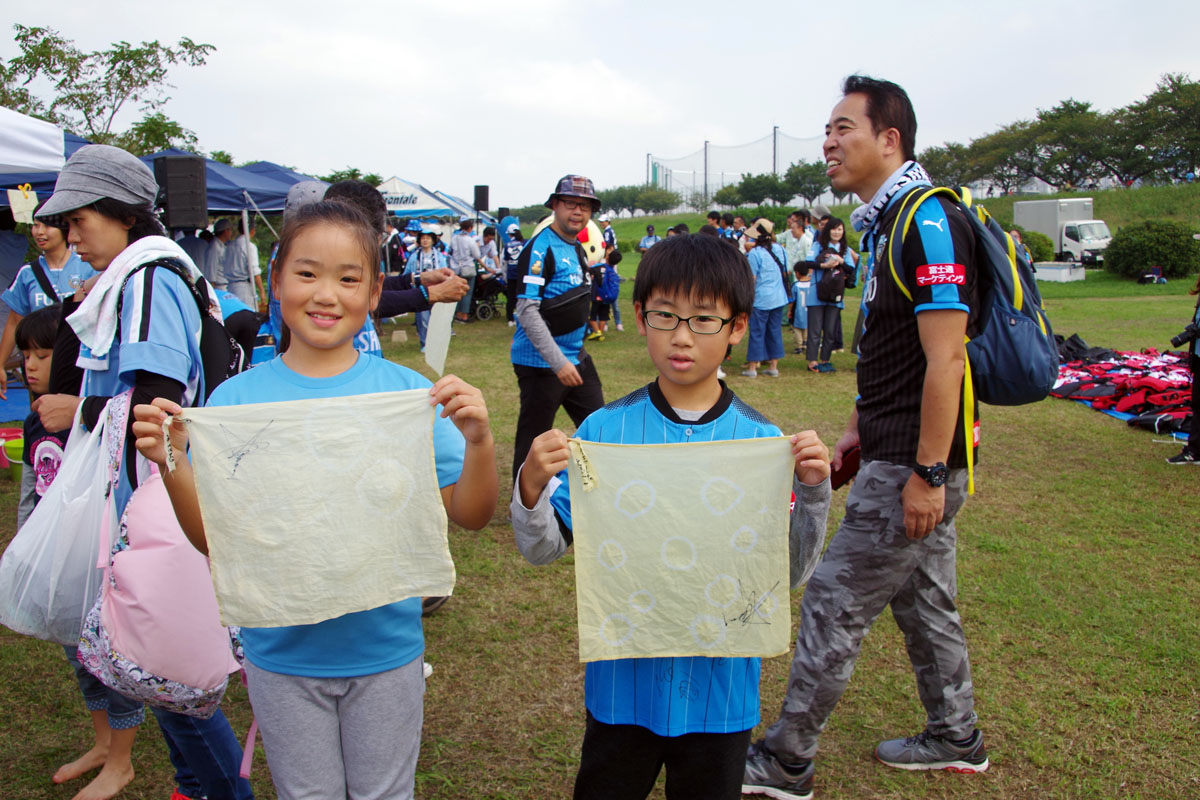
column 698, row 176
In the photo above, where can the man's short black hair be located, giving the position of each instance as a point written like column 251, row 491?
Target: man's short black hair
column 888, row 106
column 702, row 267
column 714, row 215
column 364, row 197
column 38, row 329
column 727, row 218
column 682, row 228
column 708, row 230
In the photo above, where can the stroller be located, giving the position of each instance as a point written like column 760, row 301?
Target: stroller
column 488, row 288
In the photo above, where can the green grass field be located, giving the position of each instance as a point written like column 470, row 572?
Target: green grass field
column 1079, row 580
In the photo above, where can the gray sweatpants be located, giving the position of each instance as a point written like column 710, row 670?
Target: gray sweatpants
column 870, row 564
column 331, row 738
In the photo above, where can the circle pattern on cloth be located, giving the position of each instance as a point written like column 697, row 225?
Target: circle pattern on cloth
column 744, row 539
column 635, row 498
column 642, row 601
column 611, row 554
column 617, row 629
column 678, row 553
column 720, row 495
column 721, row 591
column 352, row 450
column 386, row 485
column 707, row 631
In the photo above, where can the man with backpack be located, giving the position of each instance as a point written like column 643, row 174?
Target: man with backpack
column 896, row 544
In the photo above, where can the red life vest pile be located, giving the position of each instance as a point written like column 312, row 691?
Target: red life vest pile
column 1151, row 390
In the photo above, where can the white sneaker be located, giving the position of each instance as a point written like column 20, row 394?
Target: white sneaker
column 620, row 327
column 426, row 669
column 512, row 324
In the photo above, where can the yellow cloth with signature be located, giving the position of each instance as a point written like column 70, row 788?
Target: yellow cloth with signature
column 318, row 508
column 682, row 549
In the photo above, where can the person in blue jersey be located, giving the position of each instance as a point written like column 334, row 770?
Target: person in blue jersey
column 829, row 253
column 767, row 262
column 41, row 283
column 339, row 702
column 648, row 241
column 553, row 370
column 512, row 272
column 138, row 328
column 424, row 259
column 691, row 300
column 896, row 544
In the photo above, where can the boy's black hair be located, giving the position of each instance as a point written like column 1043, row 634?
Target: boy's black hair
column 613, row 256
column 888, row 106
column 39, row 329
column 682, row 228
column 364, row 197
column 714, row 215
column 702, row 267
column 709, row 230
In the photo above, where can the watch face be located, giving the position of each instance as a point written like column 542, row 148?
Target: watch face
column 935, row 476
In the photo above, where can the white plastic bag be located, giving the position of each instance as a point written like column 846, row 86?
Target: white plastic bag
column 51, row 572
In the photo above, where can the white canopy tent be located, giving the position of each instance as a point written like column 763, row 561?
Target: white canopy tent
column 28, row 144
column 407, row 199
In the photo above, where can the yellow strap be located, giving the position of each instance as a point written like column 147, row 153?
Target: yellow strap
column 969, row 419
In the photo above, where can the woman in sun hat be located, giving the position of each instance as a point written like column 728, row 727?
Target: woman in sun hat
column 139, row 329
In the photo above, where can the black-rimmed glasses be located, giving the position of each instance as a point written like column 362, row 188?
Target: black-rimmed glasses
column 703, row 324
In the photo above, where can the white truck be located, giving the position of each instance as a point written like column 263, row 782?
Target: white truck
column 1071, row 225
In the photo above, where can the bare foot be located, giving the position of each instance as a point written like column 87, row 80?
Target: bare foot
column 92, row 759
column 104, row 786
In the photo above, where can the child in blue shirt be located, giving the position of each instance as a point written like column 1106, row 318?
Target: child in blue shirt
column 692, row 298
column 800, row 289
column 339, row 703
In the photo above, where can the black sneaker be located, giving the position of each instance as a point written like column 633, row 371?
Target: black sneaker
column 928, row 751
column 1185, row 457
column 766, row 776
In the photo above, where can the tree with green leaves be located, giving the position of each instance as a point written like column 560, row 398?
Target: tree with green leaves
column 657, row 201
column 806, row 179
column 756, row 188
column 727, row 196
column 948, row 165
column 90, row 89
column 352, row 174
column 1172, row 114
column 1069, row 138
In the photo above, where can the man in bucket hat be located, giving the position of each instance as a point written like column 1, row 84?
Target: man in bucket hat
column 547, row 348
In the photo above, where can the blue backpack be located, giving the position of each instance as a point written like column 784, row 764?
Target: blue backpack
column 1013, row 359
column 610, row 285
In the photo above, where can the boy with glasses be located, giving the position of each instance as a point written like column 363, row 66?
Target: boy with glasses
column 692, row 715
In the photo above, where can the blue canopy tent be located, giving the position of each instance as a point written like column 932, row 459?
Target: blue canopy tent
column 277, row 172
column 232, row 189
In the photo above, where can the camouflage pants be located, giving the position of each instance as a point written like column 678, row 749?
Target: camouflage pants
column 870, row 564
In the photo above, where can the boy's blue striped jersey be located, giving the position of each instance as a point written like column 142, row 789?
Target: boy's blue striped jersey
column 547, row 267
column 670, row 696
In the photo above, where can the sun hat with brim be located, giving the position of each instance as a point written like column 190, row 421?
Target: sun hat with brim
column 758, row 228
column 575, row 186
column 97, row 171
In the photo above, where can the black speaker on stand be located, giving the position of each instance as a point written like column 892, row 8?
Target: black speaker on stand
column 184, row 191
column 481, row 198
column 503, row 212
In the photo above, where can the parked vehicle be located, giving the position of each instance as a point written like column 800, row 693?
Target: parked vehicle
column 1071, row 225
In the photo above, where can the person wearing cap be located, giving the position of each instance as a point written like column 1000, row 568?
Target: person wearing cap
column 649, row 240
column 107, row 198
column 606, row 228
column 214, row 257
column 767, row 262
column 512, row 276
column 553, row 370
column 423, row 260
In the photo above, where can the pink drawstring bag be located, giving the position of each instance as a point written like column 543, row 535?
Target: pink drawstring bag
column 154, row 632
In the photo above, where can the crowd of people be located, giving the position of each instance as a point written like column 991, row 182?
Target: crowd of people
column 340, row 702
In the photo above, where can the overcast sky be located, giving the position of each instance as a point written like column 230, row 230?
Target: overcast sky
column 514, row 94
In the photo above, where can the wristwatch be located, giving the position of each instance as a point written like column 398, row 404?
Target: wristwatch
column 935, row 476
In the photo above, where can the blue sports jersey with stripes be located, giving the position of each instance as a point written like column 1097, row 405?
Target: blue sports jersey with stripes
column 26, row 294
column 670, row 696
column 548, row 254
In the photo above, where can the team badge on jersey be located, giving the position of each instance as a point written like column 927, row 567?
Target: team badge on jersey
column 536, row 269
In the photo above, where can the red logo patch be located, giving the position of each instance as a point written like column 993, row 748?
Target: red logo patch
column 933, row 274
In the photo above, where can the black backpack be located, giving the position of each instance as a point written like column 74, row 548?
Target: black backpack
column 220, row 355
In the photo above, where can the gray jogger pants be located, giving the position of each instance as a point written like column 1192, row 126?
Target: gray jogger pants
column 870, row 564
